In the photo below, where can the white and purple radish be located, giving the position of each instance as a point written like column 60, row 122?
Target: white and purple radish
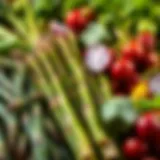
column 58, row 28
column 98, row 58
column 154, row 84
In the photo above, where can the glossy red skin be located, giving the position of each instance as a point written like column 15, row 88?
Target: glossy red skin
column 76, row 21
column 133, row 51
column 148, row 127
column 123, row 70
column 125, row 87
column 150, row 60
column 146, row 40
column 150, row 158
column 134, row 149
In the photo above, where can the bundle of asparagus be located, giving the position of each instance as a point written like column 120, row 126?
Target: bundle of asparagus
column 60, row 75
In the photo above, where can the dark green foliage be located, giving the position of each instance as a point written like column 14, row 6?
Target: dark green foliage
column 22, row 114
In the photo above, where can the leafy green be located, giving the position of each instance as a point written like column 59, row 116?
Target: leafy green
column 95, row 34
column 118, row 114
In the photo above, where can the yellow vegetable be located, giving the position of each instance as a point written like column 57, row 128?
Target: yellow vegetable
column 140, row 91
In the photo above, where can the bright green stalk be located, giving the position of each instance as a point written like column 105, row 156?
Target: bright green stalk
column 88, row 106
column 62, row 108
column 19, row 77
column 103, row 87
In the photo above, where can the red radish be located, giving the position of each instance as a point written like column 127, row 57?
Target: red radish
column 98, row 58
column 78, row 19
column 149, row 61
column 147, row 126
column 124, row 87
column 134, row 148
column 146, row 40
column 123, row 70
column 133, row 51
column 150, row 158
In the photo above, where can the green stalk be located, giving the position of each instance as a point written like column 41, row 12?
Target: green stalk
column 11, row 123
column 3, row 147
column 18, row 79
column 18, row 25
column 57, row 152
column 35, row 130
column 62, row 108
column 5, row 95
column 5, row 82
column 88, row 106
column 103, row 87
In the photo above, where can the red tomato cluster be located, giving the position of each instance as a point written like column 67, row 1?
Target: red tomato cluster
column 146, row 144
column 136, row 57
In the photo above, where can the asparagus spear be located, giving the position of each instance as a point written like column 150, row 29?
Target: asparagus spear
column 34, row 129
column 62, row 108
column 3, row 148
column 89, row 109
column 11, row 123
column 103, row 86
column 88, row 106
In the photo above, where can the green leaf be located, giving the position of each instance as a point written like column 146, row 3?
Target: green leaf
column 8, row 39
column 94, row 34
column 119, row 114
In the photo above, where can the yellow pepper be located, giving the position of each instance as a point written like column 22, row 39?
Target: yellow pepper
column 140, row 91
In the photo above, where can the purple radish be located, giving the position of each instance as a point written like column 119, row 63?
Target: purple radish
column 154, row 84
column 98, row 58
column 58, row 28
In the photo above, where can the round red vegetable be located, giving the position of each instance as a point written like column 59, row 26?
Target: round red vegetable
column 134, row 148
column 150, row 158
column 123, row 70
column 133, row 51
column 147, row 126
column 78, row 19
column 147, row 41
